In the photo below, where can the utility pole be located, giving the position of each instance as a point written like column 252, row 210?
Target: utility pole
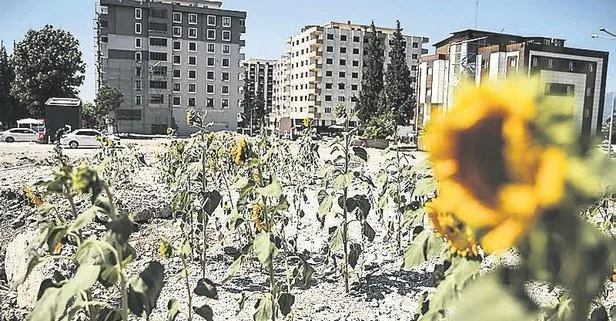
column 476, row 13
column 611, row 36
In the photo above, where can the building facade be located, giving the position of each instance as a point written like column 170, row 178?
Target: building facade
column 168, row 56
column 259, row 82
column 323, row 68
column 478, row 56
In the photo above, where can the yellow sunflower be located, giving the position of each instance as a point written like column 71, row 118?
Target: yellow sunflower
column 460, row 238
column 256, row 218
column 491, row 173
column 239, row 151
column 35, row 199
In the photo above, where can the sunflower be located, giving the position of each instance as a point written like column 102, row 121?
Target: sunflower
column 461, row 238
column 256, row 217
column 239, row 151
column 35, row 199
column 492, row 174
column 307, row 122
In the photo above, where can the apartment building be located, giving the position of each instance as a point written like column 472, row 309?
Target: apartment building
column 323, row 68
column 477, row 56
column 167, row 56
column 259, row 81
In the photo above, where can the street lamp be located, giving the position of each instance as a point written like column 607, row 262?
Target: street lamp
column 612, row 36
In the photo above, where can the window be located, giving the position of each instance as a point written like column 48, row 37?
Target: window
column 342, row 49
column 209, row 88
column 415, row 44
column 104, row 10
column 177, row 101
column 414, row 56
column 342, row 62
column 210, row 62
column 341, row 86
column 160, row 42
column 209, row 102
column 158, row 27
column 355, row 75
column 328, row 85
column 177, row 60
column 328, row 73
column 329, row 61
column 138, row 28
column 225, row 103
column 139, row 85
column 356, row 51
column 192, row 88
column 591, row 68
column 330, row 36
column 354, row 87
column 177, row 17
column 342, row 74
column 192, row 74
column 224, row 90
column 211, row 34
column 211, row 20
column 353, row 99
column 137, row 100
column 226, row 35
column 328, row 98
column 128, row 114
column 177, row 45
column 104, row 24
column 242, row 22
column 571, row 65
column 343, row 38
column 192, row 102
column 192, row 60
column 226, row 49
column 211, row 48
column 555, row 89
column 158, row 13
column 192, row 19
column 535, row 62
column 137, row 71
column 341, row 99
column 356, row 39
column 355, row 63
column 192, row 46
column 177, row 74
column 225, row 76
column 158, row 56
column 588, row 91
column 192, row 33
column 550, row 63
column 226, row 21
column 177, row 31
column 157, row 99
column 104, row 39
column 138, row 43
column 330, row 49
column 138, row 13
column 157, row 84
column 159, row 71
column 209, row 75
column 226, row 62
column 137, row 56
column 177, row 87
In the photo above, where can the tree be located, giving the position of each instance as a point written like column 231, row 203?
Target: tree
column 90, row 115
column 372, row 77
column 258, row 110
column 108, row 100
column 8, row 105
column 398, row 90
column 47, row 64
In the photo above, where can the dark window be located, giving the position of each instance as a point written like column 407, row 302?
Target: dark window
column 209, row 75
column 177, row 60
column 328, row 85
column 157, row 84
column 329, row 61
column 415, row 45
column 226, row 62
column 554, row 89
column 177, row 73
column 159, row 56
column 128, row 114
column 342, row 62
column 155, row 26
column 343, row 38
column 104, row 24
column 157, row 99
column 161, row 42
column 355, row 75
column 158, row 13
column 356, row 51
column 353, row 87
column 353, row 99
column 355, row 63
column 330, row 36
column 177, row 101
column 192, row 102
column 342, row 74
column 330, row 49
column 341, row 86
column 356, row 39
column 341, row 99
column 159, row 71
column 414, row 56
column 192, row 74
column 177, row 45
column 328, row 73
column 342, row 49
column 192, row 60
column 192, row 46
column 328, row 98
column 209, row 102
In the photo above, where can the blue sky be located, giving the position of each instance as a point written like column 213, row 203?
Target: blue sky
column 270, row 21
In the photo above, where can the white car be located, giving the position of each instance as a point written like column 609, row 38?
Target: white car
column 19, row 135
column 85, row 138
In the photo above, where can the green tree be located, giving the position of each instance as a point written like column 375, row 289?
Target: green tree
column 372, row 77
column 47, row 64
column 90, row 114
column 258, row 110
column 8, row 106
column 398, row 90
column 108, row 100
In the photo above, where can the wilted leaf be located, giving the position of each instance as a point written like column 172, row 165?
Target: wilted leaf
column 264, row 248
column 425, row 186
column 354, row 253
column 343, row 181
column 84, row 218
column 205, row 312
column 173, row 307
column 265, row 309
column 285, row 302
column 368, row 231
column 335, row 239
column 425, row 246
column 207, row 288
column 210, row 201
column 143, row 292
column 361, row 153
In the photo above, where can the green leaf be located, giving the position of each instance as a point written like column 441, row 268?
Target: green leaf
column 52, row 304
column 368, row 231
column 193, row 169
column 413, row 218
column 241, row 183
column 143, row 291
column 205, row 311
column 234, row 268
column 335, row 239
column 173, row 307
column 264, row 248
column 361, row 153
column 362, row 203
column 34, row 259
column 325, row 206
column 265, row 309
column 343, row 181
column 273, row 190
column 84, row 218
column 354, row 253
column 599, row 314
column 425, row 186
column 210, row 200
column 304, row 273
column 207, row 288
column 425, row 246
column 285, row 302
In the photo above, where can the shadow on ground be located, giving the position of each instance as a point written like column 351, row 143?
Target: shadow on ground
column 376, row 287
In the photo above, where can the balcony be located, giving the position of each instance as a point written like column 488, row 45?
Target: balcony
column 316, row 66
column 314, row 77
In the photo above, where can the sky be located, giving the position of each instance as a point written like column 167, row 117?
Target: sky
column 269, row 22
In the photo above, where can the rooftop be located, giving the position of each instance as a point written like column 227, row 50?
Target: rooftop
column 474, row 33
column 72, row 102
column 195, row 3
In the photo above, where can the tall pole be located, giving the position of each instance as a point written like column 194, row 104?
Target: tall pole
column 476, row 13
column 609, row 136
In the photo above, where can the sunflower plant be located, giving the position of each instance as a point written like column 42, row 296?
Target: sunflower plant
column 513, row 172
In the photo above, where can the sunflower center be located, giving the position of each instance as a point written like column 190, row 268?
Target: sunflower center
column 482, row 163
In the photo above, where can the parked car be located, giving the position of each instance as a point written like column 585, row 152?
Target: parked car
column 85, row 138
column 19, row 135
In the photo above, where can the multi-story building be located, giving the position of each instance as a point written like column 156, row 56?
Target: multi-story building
column 477, row 56
column 323, row 68
column 167, row 56
column 259, row 82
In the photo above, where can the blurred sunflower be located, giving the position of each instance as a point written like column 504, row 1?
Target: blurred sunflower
column 256, row 217
column 239, row 151
column 491, row 172
column 460, row 238
column 31, row 195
